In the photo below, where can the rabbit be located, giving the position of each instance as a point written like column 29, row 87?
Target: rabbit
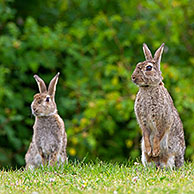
column 49, row 140
column 163, row 141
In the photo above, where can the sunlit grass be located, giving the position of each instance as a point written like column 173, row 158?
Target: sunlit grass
column 98, row 177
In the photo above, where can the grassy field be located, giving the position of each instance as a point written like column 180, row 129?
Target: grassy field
column 98, row 177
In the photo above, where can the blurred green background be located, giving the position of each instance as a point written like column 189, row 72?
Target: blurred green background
column 95, row 44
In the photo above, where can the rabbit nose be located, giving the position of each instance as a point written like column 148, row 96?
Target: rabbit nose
column 133, row 77
column 35, row 110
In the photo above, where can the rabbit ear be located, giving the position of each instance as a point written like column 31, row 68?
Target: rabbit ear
column 147, row 52
column 52, row 85
column 158, row 55
column 41, row 84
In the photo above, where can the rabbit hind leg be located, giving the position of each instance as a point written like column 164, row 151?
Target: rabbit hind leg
column 53, row 159
column 33, row 158
column 167, row 161
column 179, row 160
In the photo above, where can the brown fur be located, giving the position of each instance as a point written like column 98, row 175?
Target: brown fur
column 49, row 140
column 163, row 136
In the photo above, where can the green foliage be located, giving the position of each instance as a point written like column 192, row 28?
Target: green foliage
column 99, row 177
column 95, row 45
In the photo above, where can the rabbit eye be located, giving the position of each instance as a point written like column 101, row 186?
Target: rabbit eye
column 47, row 99
column 148, row 68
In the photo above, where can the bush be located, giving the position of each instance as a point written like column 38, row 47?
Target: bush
column 95, row 45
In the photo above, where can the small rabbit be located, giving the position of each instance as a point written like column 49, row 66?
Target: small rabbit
column 49, row 140
column 163, row 135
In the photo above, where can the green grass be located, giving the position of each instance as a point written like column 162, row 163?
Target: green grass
column 98, row 177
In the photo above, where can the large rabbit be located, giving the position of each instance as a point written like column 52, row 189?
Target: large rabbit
column 163, row 136
column 49, row 140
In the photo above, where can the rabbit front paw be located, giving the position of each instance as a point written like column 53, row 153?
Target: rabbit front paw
column 156, row 151
column 148, row 150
